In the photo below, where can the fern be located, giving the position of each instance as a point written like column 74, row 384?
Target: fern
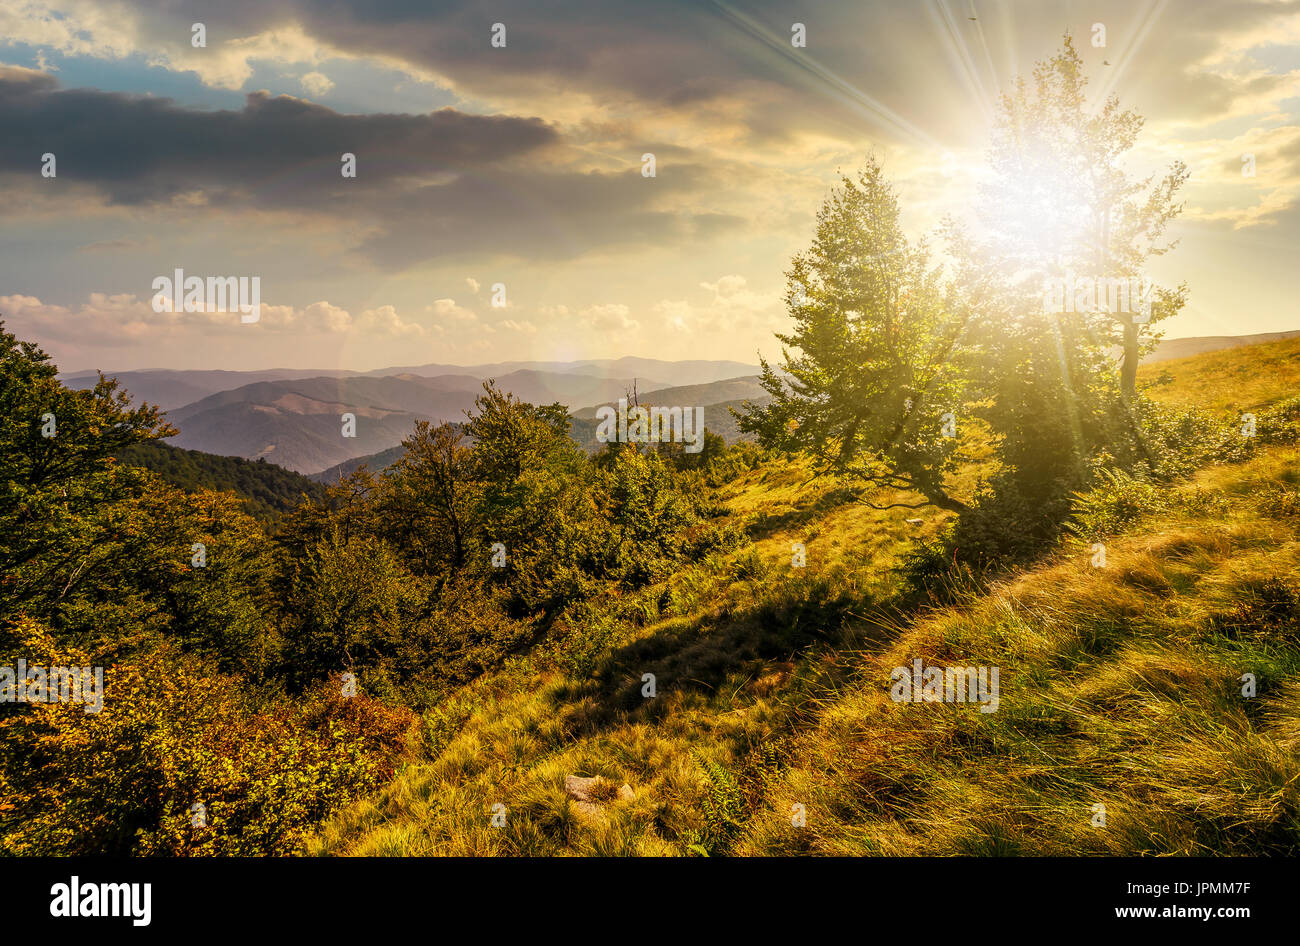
column 724, row 804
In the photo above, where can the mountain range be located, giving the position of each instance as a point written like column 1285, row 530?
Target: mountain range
column 294, row 417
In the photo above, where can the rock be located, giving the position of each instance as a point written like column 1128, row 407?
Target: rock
column 580, row 788
column 589, row 794
column 915, row 522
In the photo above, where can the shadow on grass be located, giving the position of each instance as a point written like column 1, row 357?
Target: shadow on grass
column 717, row 654
column 765, row 526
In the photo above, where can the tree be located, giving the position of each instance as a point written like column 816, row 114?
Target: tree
column 512, row 436
column 1060, row 204
column 533, row 498
column 874, row 389
column 58, row 483
column 427, row 497
column 1060, row 237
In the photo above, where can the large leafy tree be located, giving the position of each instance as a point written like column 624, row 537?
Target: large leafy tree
column 1060, row 211
column 1060, row 202
column 872, row 389
column 428, row 497
column 533, row 499
column 58, row 482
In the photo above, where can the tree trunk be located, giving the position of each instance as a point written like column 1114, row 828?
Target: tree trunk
column 1129, row 370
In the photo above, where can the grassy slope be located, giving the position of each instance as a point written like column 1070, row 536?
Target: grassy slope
column 1119, row 687
column 1238, row 379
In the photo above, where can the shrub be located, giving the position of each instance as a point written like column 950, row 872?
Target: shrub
column 1118, row 501
column 172, row 736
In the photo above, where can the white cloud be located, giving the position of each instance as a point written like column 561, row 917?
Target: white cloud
column 105, row 29
column 125, row 318
column 446, row 310
column 734, row 308
column 316, row 83
column 726, row 286
column 386, row 321
column 612, row 317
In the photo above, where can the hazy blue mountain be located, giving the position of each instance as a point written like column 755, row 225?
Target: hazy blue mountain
column 689, row 395
column 168, row 389
column 297, row 423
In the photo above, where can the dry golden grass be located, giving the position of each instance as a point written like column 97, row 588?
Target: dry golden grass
column 1119, row 687
column 1236, row 379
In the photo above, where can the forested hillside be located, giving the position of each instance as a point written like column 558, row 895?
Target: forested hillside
column 268, row 491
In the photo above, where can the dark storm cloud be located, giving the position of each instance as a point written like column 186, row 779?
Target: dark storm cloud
column 680, row 53
column 659, row 49
column 427, row 185
column 540, row 214
column 276, row 150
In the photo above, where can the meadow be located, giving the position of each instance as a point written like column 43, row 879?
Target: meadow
column 1122, row 686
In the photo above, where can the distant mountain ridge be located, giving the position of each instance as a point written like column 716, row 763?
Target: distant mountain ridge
column 689, row 395
column 1171, row 348
column 298, row 423
column 292, row 417
column 168, row 388
column 717, row 398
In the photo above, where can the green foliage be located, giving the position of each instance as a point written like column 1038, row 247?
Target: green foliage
column 171, row 593
column 172, row 736
column 724, row 806
column 1060, row 202
column 57, row 492
column 268, row 491
column 351, row 599
column 877, row 335
column 1114, row 504
column 427, row 499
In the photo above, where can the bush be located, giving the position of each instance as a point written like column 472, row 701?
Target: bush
column 1118, row 501
column 172, row 736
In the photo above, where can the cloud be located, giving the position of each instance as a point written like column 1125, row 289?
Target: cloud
column 726, row 287
column 733, row 308
column 428, row 186
column 316, row 83
column 446, row 311
column 118, row 246
column 622, row 44
column 121, row 319
column 531, row 212
column 275, row 152
column 613, row 317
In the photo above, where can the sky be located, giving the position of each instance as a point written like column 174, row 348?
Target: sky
column 514, row 173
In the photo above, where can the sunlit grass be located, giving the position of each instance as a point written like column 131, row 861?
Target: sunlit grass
column 1237, row 379
column 1120, row 687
